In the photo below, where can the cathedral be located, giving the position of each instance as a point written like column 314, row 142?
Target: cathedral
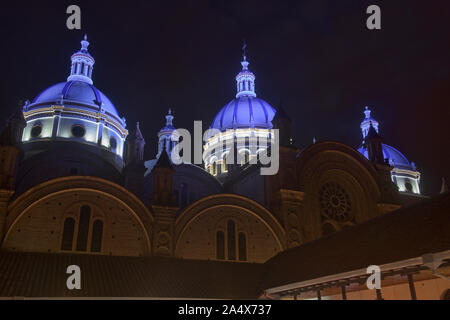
column 75, row 188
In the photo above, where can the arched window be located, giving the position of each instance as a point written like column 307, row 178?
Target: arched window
column 231, row 230
column 220, row 245
column 244, row 157
column 224, row 165
column 214, row 168
column 408, row 186
column 242, row 244
column 67, row 238
column 236, row 243
column 83, row 228
column 97, row 234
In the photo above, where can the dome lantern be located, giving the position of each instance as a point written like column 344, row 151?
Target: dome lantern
column 82, row 64
column 245, row 80
column 367, row 122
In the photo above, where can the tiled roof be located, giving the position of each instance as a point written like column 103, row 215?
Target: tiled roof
column 44, row 275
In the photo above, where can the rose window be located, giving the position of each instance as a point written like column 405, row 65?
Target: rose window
column 335, row 202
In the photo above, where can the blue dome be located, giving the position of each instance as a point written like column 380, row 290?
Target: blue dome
column 244, row 112
column 395, row 157
column 83, row 94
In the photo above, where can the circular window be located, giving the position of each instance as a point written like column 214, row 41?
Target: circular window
column 113, row 143
column 36, row 130
column 335, row 202
column 78, row 131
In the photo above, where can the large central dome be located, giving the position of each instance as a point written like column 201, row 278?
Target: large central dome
column 245, row 123
column 244, row 112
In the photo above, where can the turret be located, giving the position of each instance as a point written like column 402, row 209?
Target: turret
column 165, row 139
column 373, row 143
column 283, row 123
column 135, row 146
column 134, row 170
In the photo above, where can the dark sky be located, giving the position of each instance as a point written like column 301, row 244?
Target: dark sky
column 316, row 55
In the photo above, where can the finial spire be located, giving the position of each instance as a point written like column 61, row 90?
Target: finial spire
column 169, row 118
column 244, row 51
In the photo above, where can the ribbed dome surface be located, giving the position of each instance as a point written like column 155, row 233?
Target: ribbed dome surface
column 76, row 91
column 244, row 112
column 395, row 157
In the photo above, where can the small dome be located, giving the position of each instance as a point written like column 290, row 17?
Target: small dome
column 244, row 112
column 395, row 157
column 78, row 92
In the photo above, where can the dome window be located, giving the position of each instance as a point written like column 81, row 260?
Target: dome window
column 408, row 186
column 36, row 131
column 78, row 131
column 113, row 143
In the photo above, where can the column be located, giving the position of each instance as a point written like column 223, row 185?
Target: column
column 412, row 288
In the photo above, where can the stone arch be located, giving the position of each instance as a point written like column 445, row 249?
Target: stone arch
column 340, row 165
column 40, row 211
column 206, row 214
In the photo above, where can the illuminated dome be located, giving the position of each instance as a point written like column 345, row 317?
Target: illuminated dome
column 395, row 157
column 81, row 93
column 404, row 173
column 245, row 122
column 244, row 112
column 76, row 110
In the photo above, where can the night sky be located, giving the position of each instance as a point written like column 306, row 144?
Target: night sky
column 316, row 56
